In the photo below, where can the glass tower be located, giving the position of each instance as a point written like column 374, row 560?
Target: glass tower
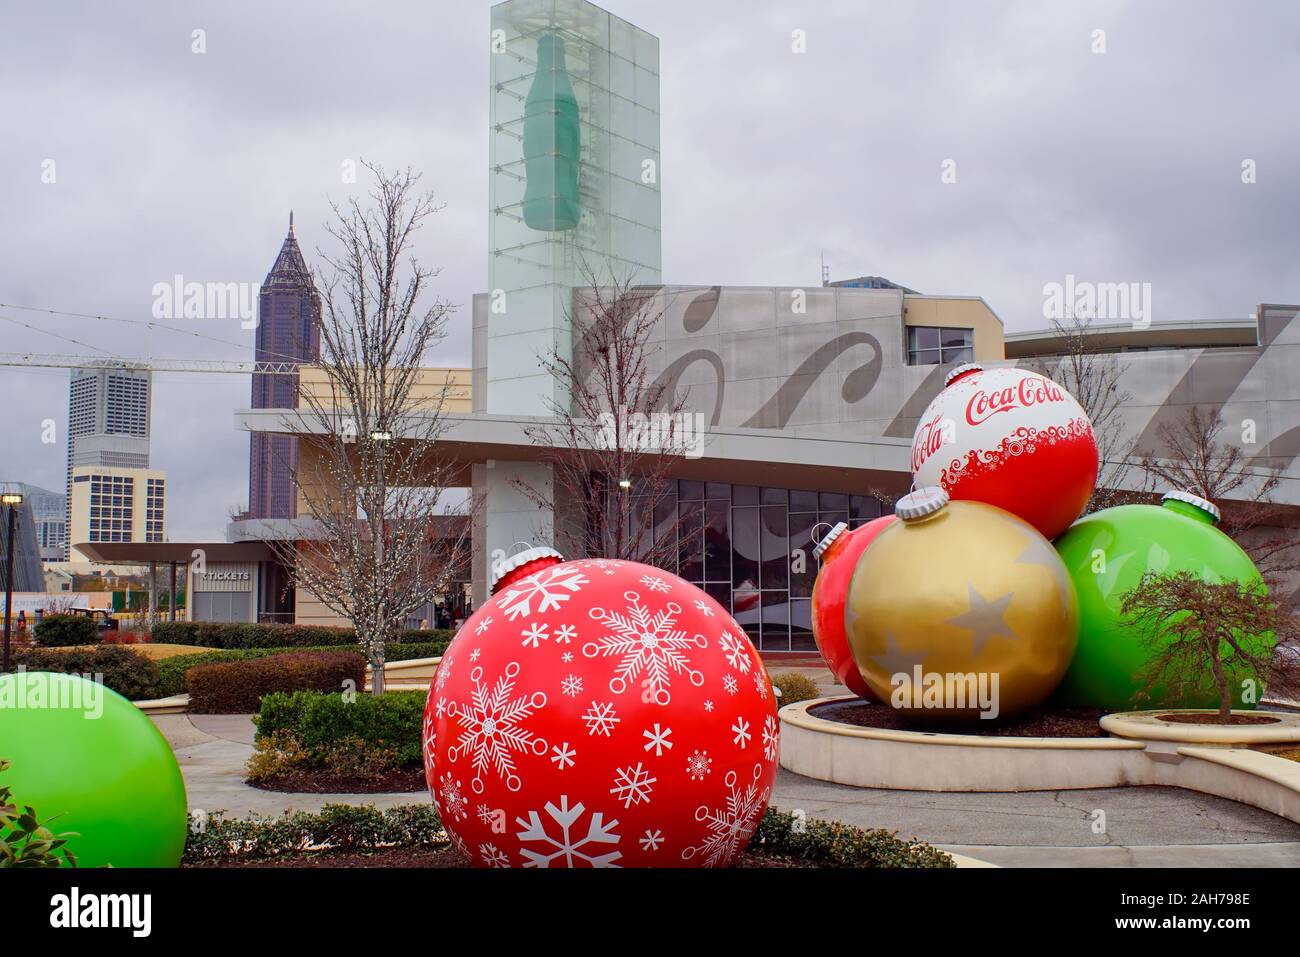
column 574, row 180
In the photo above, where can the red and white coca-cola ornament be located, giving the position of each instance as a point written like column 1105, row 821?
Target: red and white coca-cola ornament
column 1011, row 438
column 599, row 713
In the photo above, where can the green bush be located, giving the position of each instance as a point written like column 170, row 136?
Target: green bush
column 344, row 827
column 237, row 687
column 130, row 675
column 794, row 687
column 831, row 844
column 24, row 840
column 171, row 671
column 341, row 827
column 229, row 635
column 60, row 631
column 325, row 722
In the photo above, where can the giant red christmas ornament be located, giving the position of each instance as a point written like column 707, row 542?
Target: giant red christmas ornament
column 599, row 713
column 1011, row 438
column 838, row 553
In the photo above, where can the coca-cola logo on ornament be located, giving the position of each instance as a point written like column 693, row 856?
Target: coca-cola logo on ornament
column 930, row 437
column 1030, row 391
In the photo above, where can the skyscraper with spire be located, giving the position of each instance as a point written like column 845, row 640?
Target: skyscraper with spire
column 288, row 310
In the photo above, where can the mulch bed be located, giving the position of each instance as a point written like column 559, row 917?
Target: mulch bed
column 1217, row 719
column 323, row 782
column 1047, row 723
column 430, row 857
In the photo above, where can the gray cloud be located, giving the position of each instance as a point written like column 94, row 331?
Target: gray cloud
column 1123, row 166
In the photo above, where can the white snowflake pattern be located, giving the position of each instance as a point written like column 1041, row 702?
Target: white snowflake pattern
column 451, row 799
column 492, row 727
column 736, row 652
column 600, row 718
column 741, row 727
column 652, row 840
column 567, row 657
column 647, row 645
column 534, row 633
column 729, row 682
column 484, row 813
column 440, row 707
column 708, row 705
column 760, row 683
column 442, row 673
column 771, row 738
column 550, row 586
column 572, row 685
column 473, row 655
column 657, row 739
column 568, row 849
column 698, row 765
column 730, row 826
column 565, row 634
column 562, row 757
column 493, row 857
column 704, row 608
column 654, row 583
column 483, row 625
column 632, row 785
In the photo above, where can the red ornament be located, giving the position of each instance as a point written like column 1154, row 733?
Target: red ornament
column 839, row 552
column 600, row 713
column 1011, row 438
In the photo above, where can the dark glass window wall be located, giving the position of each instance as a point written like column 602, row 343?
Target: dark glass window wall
column 750, row 547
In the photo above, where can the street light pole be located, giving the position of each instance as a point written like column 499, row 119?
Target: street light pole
column 13, row 500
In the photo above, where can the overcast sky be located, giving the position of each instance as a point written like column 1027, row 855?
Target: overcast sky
column 1122, row 166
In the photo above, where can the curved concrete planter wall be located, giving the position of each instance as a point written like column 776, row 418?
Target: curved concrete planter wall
column 926, row 761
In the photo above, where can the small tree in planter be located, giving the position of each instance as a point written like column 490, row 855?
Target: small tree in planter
column 1193, row 627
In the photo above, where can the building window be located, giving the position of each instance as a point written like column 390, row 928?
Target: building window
column 932, row 345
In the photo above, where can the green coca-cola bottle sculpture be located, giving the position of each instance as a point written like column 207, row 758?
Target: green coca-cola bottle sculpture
column 552, row 143
column 1107, row 553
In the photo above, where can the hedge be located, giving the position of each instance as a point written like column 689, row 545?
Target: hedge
column 171, row 671
column 321, row 721
column 229, row 635
column 340, row 827
column 344, row 827
column 237, row 687
column 60, row 631
column 130, row 675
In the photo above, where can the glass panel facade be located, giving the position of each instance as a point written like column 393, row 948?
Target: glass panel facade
column 750, row 548
column 573, row 179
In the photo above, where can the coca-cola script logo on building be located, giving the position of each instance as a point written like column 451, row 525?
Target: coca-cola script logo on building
column 1030, row 391
column 930, row 437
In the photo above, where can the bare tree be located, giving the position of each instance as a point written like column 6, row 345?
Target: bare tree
column 1195, row 627
column 617, row 434
column 1196, row 458
column 376, row 544
column 1093, row 378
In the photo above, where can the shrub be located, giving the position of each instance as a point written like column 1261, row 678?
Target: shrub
column 115, row 636
column 275, row 756
column 336, row 826
column 326, row 723
column 832, row 844
column 171, row 671
column 24, row 840
column 344, row 827
column 60, row 631
column 794, row 687
column 130, row 675
column 237, row 687
column 229, row 635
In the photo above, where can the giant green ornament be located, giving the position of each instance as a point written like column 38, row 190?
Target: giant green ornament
column 87, row 760
column 1107, row 554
